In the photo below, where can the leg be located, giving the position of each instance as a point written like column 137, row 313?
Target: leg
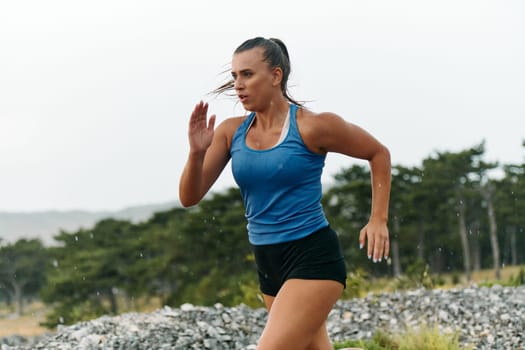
column 297, row 315
column 320, row 339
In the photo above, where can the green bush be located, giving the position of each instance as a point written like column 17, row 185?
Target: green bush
column 423, row 338
column 455, row 278
column 519, row 280
column 417, row 276
column 380, row 341
column 250, row 294
column 67, row 314
column 513, row 281
column 357, row 284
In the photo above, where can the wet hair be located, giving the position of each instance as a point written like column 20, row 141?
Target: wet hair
column 275, row 54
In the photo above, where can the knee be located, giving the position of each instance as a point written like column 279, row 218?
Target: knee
column 320, row 342
column 319, row 346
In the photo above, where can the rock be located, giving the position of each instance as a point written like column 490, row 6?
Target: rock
column 488, row 318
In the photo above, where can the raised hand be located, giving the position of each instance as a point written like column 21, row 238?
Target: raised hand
column 200, row 131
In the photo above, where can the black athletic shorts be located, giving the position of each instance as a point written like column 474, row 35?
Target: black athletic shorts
column 315, row 257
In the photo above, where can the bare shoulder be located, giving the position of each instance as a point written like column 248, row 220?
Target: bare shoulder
column 328, row 132
column 317, row 128
column 231, row 123
column 227, row 128
column 309, row 119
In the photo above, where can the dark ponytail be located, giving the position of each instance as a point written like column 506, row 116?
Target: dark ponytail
column 275, row 54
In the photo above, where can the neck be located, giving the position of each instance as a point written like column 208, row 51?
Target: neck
column 273, row 115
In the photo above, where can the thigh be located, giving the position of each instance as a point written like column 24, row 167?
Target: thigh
column 298, row 312
column 320, row 340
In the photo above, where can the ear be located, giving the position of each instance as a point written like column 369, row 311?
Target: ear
column 277, row 76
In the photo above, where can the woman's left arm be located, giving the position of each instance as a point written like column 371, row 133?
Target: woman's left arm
column 327, row 132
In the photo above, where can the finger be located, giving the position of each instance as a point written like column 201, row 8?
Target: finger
column 371, row 243
column 379, row 246
column 362, row 237
column 211, row 124
column 196, row 113
column 387, row 248
column 198, row 116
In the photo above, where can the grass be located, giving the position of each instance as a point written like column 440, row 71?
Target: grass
column 423, row 338
column 448, row 280
column 26, row 325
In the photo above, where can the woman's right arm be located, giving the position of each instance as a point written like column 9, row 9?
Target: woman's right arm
column 209, row 154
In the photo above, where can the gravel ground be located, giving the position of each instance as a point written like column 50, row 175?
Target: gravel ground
column 488, row 318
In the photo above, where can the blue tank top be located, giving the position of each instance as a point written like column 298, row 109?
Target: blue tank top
column 280, row 186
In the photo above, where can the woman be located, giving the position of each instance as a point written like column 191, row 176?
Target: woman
column 278, row 153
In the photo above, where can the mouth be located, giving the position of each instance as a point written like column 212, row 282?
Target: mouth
column 242, row 98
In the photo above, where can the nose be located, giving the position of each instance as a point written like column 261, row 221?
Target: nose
column 238, row 85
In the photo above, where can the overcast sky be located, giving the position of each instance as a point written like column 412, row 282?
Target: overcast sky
column 95, row 95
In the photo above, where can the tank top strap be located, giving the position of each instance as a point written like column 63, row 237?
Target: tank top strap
column 294, row 130
column 247, row 122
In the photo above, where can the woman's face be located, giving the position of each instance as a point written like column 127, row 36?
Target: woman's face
column 254, row 81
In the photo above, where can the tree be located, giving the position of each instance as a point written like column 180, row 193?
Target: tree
column 198, row 255
column 405, row 203
column 214, row 250
column 156, row 245
column 487, row 189
column 509, row 206
column 87, row 271
column 453, row 175
column 22, row 270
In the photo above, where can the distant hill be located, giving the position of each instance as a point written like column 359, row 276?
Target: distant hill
column 46, row 224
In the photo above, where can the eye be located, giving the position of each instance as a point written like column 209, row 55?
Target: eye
column 247, row 74
column 234, row 76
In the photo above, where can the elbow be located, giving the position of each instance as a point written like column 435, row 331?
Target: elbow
column 189, row 198
column 187, row 202
column 386, row 153
column 382, row 152
column 381, row 156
